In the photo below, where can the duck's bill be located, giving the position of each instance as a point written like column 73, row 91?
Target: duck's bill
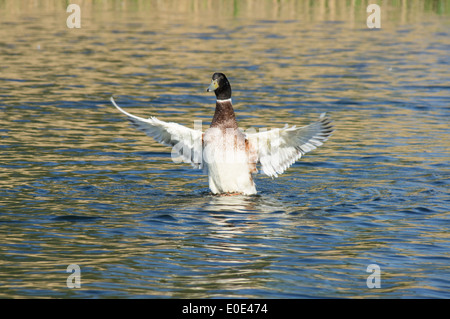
column 214, row 85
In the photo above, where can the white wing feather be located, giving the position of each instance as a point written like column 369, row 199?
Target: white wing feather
column 278, row 149
column 186, row 142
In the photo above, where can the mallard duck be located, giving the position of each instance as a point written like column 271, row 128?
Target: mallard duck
column 226, row 153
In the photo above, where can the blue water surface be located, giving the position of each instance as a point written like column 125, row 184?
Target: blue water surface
column 78, row 185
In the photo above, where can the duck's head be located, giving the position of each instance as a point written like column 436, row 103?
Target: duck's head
column 221, row 86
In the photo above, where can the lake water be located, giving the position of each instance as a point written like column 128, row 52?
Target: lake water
column 78, row 185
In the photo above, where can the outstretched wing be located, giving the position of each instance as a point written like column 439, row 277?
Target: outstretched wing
column 278, row 149
column 185, row 142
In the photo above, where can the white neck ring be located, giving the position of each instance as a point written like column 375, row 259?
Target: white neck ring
column 222, row 101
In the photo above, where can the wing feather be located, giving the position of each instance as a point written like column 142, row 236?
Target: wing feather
column 185, row 142
column 278, row 149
